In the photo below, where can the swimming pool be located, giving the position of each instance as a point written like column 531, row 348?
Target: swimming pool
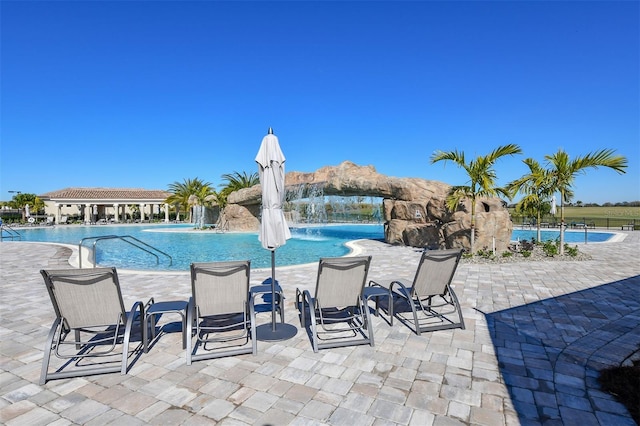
column 569, row 236
column 185, row 245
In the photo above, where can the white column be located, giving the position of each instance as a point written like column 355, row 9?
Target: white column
column 87, row 213
column 141, row 212
column 166, row 213
column 116, row 208
column 58, row 212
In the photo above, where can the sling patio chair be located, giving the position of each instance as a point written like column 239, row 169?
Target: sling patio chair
column 338, row 315
column 428, row 303
column 220, row 314
column 88, row 306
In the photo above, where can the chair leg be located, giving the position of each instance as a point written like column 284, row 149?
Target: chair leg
column 454, row 298
column 184, row 331
column 252, row 319
column 367, row 319
column 415, row 316
column 138, row 306
column 148, row 330
column 301, row 308
column 390, row 303
column 47, row 351
column 189, row 333
column 314, row 330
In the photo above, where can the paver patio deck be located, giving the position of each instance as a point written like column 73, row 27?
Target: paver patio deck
column 537, row 333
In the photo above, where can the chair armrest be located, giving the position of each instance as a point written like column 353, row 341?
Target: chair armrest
column 150, row 302
column 190, row 314
column 402, row 291
column 252, row 312
column 132, row 315
column 306, row 298
column 298, row 296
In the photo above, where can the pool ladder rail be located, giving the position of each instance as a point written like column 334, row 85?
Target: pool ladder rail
column 127, row 239
column 8, row 232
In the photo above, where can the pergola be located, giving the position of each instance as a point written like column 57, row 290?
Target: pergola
column 93, row 204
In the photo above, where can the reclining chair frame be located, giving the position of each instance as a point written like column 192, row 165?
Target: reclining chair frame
column 100, row 313
column 207, row 318
column 431, row 296
column 349, row 308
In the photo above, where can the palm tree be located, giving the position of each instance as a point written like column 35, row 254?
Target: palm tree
column 536, row 185
column 21, row 200
column 234, row 182
column 181, row 191
column 564, row 171
column 482, row 178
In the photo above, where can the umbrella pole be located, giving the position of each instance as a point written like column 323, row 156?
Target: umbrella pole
column 276, row 331
column 273, row 290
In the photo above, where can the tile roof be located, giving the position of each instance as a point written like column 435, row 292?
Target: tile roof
column 106, row 194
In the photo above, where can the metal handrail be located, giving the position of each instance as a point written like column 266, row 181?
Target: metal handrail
column 9, row 230
column 127, row 239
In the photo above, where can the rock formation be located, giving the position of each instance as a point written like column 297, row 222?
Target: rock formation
column 414, row 209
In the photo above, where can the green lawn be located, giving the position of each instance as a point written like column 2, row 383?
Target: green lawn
column 600, row 217
column 603, row 212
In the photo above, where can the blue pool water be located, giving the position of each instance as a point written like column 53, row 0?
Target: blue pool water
column 184, row 245
column 569, row 236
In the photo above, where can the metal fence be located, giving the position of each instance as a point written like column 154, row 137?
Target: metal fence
column 583, row 222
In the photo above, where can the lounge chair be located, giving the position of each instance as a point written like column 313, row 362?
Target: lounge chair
column 428, row 303
column 88, row 306
column 220, row 314
column 338, row 314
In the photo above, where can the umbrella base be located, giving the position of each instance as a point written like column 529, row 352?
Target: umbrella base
column 266, row 332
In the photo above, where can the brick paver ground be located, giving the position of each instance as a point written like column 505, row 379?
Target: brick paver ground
column 537, row 333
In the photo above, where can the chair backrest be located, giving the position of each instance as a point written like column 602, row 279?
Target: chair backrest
column 85, row 297
column 220, row 287
column 341, row 280
column 435, row 272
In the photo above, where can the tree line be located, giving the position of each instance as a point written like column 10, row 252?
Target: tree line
column 538, row 186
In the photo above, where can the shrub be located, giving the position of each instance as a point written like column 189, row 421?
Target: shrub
column 550, row 248
column 571, row 251
column 485, row 253
column 525, row 253
column 507, row 254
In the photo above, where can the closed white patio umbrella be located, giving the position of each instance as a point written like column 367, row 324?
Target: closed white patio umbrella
column 274, row 231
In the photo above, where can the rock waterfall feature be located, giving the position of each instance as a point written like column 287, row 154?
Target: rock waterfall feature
column 413, row 209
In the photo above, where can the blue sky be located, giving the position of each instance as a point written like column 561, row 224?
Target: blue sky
column 143, row 94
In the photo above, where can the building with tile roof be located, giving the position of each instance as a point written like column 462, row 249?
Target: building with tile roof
column 106, row 204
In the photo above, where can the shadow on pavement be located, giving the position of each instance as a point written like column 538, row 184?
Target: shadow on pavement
column 550, row 353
